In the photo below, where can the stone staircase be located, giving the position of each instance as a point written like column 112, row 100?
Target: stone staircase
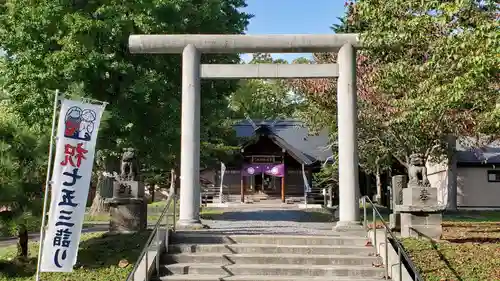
column 209, row 256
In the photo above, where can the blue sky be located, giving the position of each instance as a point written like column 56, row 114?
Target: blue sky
column 292, row 16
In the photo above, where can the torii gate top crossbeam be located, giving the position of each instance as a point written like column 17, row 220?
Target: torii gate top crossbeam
column 228, row 43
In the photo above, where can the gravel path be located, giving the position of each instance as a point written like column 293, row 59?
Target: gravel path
column 268, row 221
column 246, row 221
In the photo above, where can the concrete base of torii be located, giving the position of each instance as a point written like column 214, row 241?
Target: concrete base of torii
column 189, row 225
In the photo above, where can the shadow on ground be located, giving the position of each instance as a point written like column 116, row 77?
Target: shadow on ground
column 467, row 250
column 276, row 215
column 262, row 230
column 474, row 240
column 109, row 249
column 472, row 216
column 291, row 215
column 18, row 268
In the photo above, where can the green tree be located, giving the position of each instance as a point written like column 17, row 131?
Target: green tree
column 436, row 68
column 23, row 158
column 81, row 48
column 320, row 107
column 418, row 80
column 319, row 111
column 263, row 98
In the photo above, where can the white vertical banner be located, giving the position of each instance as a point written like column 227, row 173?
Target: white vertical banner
column 74, row 157
column 222, row 171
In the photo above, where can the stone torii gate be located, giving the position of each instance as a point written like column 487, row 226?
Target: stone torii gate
column 191, row 47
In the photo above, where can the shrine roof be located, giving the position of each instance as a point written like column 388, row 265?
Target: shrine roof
column 471, row 151
column 291, row 135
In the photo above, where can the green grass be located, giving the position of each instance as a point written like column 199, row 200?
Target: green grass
column 204, row 213
column 323, row 215
column 9, row 228
column 468, row 251
column 32, row 223
column 158, row 204
column 472, row 216
column 459, row 216
column 210, row 213
column 98, row 259
column 105, row 218
column 384, row 212
column 97, row 218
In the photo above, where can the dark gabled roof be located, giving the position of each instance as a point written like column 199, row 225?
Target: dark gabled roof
column 470, row 152
column 291, row 135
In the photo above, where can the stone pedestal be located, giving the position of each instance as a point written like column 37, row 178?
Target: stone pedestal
column 128, row 207
column 127, row 215
column 421, row 225
column 399, row 183
column 395, row 221
column 421, row 215
column 128, row 189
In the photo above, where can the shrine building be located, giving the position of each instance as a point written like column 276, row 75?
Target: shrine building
column 277, row 159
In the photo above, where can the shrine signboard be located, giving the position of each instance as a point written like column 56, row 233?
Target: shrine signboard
column 266, row 159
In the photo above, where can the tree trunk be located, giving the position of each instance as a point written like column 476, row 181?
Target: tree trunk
column 151, row 189
column 104, row 184
column 368, row 184
column 22, row 244
column 378, row 182
column 177, row 179
column 173, row 182
column 98, row 205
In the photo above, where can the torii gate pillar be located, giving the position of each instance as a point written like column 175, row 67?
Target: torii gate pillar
column 191, row 46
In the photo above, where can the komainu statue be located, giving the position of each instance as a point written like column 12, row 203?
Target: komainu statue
column 129, row 166
column 417, row 172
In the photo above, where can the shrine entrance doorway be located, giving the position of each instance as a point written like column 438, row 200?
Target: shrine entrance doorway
column 264, row 179
column 266, row 184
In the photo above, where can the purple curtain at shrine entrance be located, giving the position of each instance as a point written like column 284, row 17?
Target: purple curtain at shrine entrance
column 251, row 169
column 276, row 170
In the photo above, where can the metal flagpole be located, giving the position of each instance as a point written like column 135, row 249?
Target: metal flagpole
column 47, row 186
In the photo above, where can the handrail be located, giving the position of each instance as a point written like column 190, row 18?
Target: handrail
column 401, row 251
column 155, row 232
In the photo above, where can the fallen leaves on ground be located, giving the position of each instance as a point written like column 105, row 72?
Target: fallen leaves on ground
column 468, row 251
column 378, row 225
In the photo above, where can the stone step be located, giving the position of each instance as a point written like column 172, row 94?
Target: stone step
column 340, row 233
column 298, row 259
column 210, row 238
column 270, row 249
column 259, row 195
column 225, row 277
column 272, row 269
